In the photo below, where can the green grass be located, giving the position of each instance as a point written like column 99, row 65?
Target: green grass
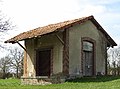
column 108, row 82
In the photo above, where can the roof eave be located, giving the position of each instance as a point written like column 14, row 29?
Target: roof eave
column 99, row 27
column 91, row 18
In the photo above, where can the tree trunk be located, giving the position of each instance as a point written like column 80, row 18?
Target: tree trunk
column 17, row 75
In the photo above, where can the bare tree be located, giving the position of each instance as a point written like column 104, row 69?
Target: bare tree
column 114, row 60
column 5, row 66
column 108, row 64
column 118, row 67
column 17, row 60
column 5, row 25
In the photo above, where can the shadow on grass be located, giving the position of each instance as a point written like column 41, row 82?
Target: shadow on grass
column 94, row 79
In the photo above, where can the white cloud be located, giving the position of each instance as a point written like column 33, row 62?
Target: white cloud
column 98, row 2
column 107, row 1
column 91, row 10
column 117, row 26
column 29, row 14
column 37, row 11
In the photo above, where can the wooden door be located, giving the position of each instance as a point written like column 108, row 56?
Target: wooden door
column 87, row 63
column 43, row 62
column 88, row 58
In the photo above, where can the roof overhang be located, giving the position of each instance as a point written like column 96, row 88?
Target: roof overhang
column 59, row 27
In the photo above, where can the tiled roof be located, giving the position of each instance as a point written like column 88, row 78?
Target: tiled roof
column 55, row 27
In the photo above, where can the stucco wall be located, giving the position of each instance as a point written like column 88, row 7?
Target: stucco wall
column 44, row 42
column 29, row 44
column 86, row 29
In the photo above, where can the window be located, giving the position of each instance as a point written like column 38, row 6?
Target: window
column 87, row 46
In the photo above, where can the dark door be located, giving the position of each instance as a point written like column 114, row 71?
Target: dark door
column 43, row 62
column 87, row 63
column 88, row 59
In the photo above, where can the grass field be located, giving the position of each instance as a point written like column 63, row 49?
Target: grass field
column 108, row 82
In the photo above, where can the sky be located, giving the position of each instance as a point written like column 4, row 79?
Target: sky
column 29, row 14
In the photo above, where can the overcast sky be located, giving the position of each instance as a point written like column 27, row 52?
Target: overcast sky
column 30, row 14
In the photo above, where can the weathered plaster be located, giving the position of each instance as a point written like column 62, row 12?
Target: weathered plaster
column 78, row 31
column 44, row 42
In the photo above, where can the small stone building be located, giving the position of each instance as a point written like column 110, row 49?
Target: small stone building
column 69, row 49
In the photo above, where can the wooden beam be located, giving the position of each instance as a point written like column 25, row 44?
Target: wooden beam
column 25, row 64
column 66, row 52
column 24, row 61
column 21, row 46
column 60, row 39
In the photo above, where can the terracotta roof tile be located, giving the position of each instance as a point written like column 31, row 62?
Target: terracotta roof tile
column 52, row 28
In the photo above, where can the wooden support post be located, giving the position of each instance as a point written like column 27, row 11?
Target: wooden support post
column 66, row 52
column 25, row 64
column 24, row 61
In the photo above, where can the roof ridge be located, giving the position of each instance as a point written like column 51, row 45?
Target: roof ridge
column 55, row 27
column 89, row 17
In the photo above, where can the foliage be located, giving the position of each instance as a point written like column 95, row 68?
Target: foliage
column 108, row 82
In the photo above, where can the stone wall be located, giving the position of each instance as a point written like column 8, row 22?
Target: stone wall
column 42, row 81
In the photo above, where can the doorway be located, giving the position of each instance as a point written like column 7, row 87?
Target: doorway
column 88, row 59
column 43, row 59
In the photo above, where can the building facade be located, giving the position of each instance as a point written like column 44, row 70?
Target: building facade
column 69, row 49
